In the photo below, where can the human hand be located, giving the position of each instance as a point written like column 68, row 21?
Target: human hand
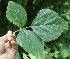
column 8, row 46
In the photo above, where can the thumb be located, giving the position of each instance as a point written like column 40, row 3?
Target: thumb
column 2, row 46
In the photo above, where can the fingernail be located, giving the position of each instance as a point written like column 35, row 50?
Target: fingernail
column 9, row 33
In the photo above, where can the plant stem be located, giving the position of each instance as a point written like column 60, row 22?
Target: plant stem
column 17, row 31
column 28, row 27
column 20, row 28
column 56, row 46
column 44, row 44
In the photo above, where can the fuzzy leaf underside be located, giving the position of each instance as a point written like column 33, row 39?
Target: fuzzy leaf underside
column 16, row 14
column 48, row 25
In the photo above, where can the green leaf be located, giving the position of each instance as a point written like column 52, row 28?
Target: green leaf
column 30, row 42
column 33, row 57
column 36, row 57
column 65, row 49
column 16, row 14
column 48, row 25
column 65, row 52
column 48, row 57
column 56, row 54
column 68, row 15
column 17, row 56
column 25, row 56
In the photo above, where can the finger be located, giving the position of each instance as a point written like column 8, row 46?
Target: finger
column 11, row 38
column 8, row 44
column 14, row 36
column 4, row 38
column 9, row 34
column 14, row 45
column 2, row 47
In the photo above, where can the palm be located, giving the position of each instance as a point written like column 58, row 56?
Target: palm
column 7, row 55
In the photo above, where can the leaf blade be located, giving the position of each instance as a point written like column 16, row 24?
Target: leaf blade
column 48, row 25
column 31, row 42
column 16, row 14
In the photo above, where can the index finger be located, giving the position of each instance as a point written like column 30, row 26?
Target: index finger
column 4, row 38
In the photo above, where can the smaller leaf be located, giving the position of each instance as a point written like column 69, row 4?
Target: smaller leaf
column 25, row 56
column 65, row 51
column 32, row 57
column 68, row 15
column 16, row 14
column 56, row 54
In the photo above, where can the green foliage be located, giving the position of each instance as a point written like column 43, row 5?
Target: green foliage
column 17, row 56
column 65, row 52
column 30, row 42
column 48, row 22
column 45, row 36
column 16, row 14
column 47, row 57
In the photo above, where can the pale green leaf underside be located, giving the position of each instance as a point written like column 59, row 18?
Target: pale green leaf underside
column 30, row 42
column 48, row 25
column 16, row 14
